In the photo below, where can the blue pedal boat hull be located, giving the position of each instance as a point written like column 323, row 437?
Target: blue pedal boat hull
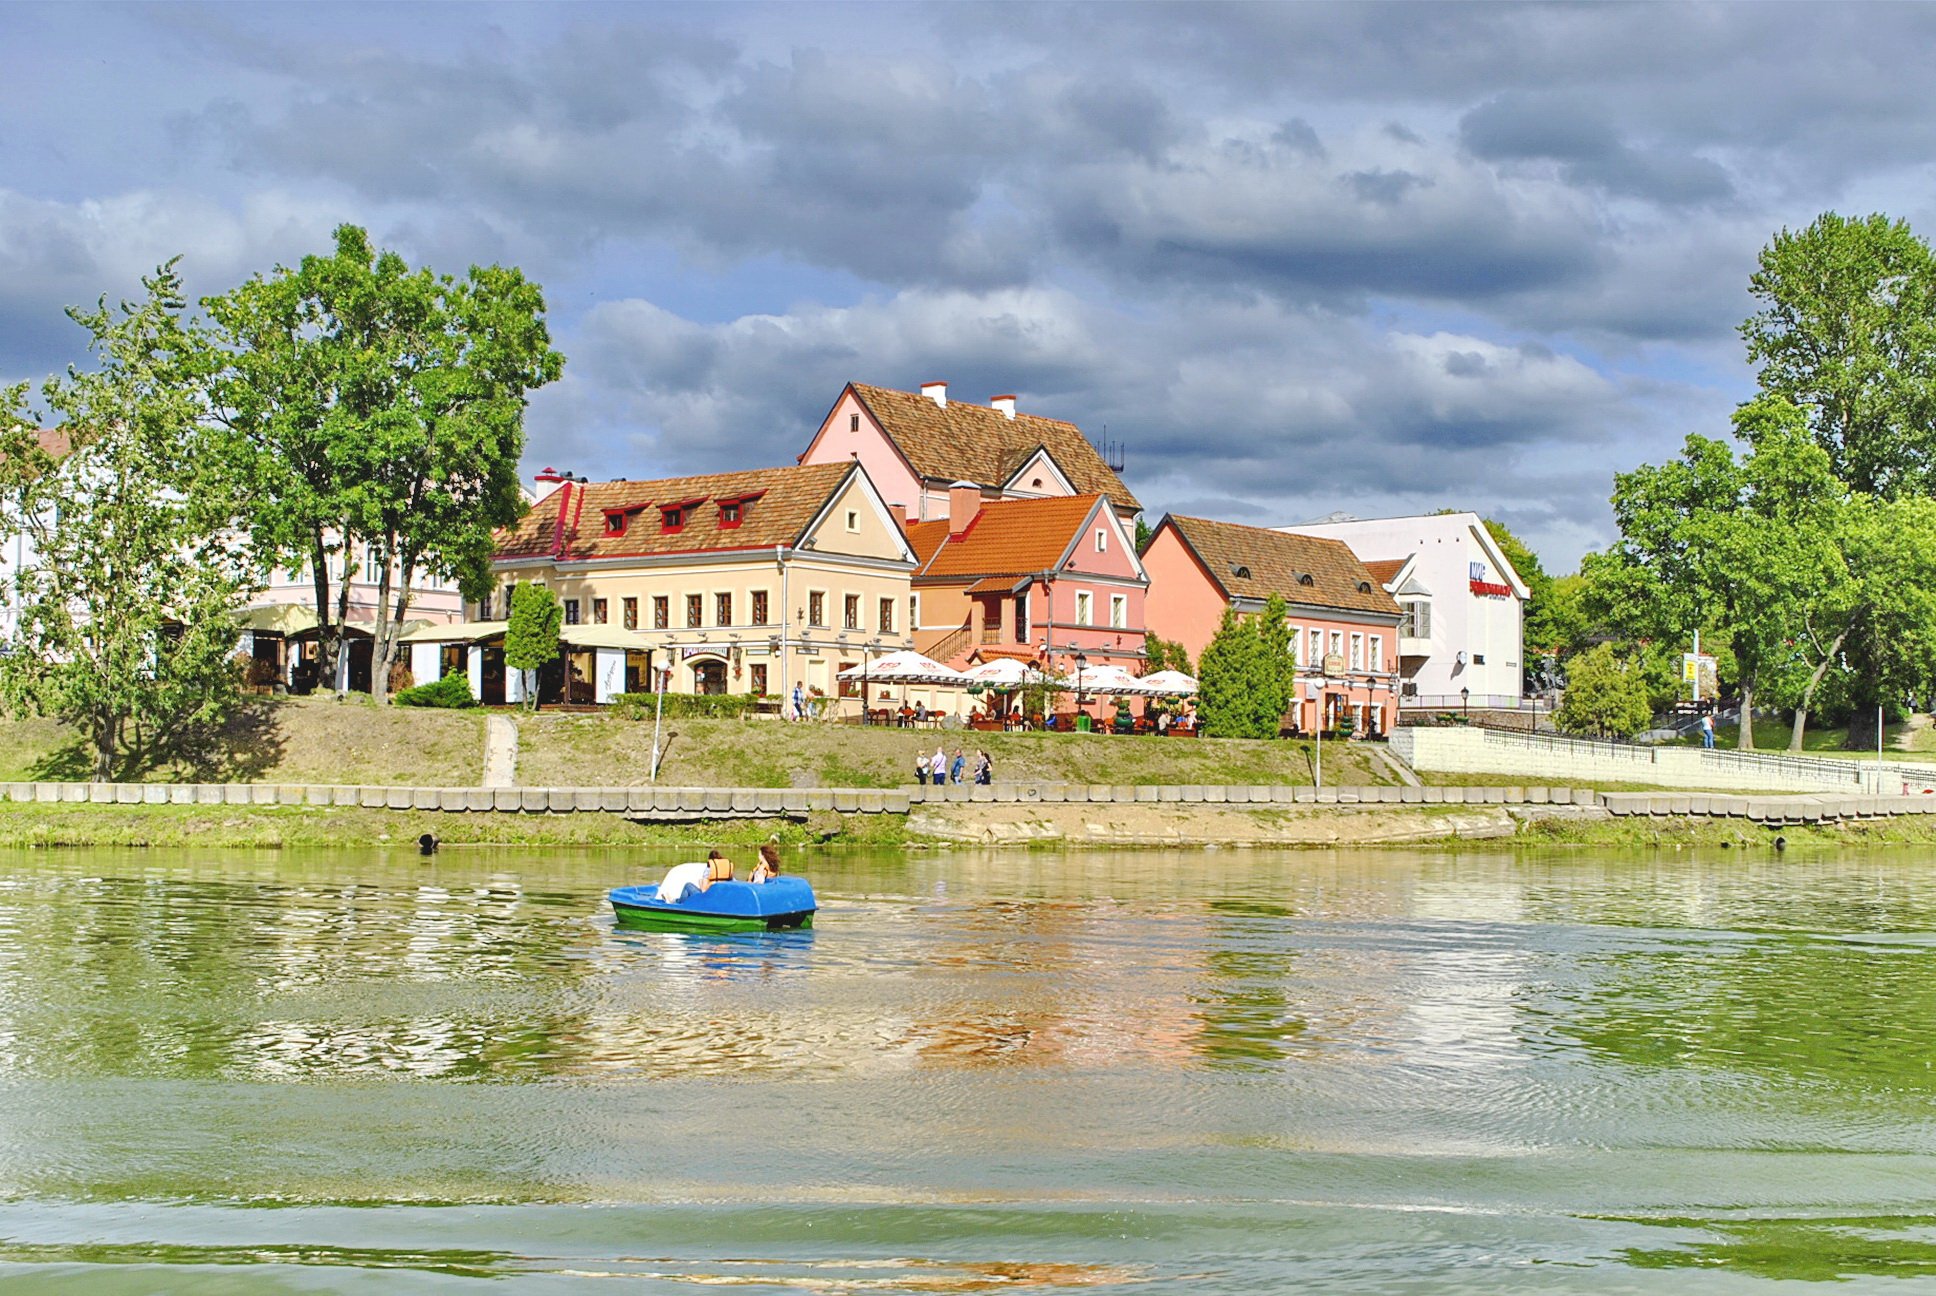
column 783, row 904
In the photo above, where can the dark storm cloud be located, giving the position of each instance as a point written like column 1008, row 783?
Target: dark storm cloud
column 1299, row 257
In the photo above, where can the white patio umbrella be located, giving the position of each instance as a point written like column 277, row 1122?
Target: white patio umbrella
column 904, row 667
column 1103, row 679
column 1170, row 681
column 1003, row 672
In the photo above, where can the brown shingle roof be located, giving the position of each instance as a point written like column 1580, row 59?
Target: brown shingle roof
column 1256, row 562
column 1010, row 538
column 976, row 443
column 1383, row 569
column 788, row 499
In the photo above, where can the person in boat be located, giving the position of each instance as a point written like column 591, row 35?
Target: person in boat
column 683, row 880
column 769, row 866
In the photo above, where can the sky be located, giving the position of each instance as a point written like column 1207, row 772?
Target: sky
column 1378, row 258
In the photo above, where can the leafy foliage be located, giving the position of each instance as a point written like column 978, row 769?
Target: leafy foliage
column 1606, row 695
column 127, row 617
column 718, row 706
column 531, row 634
column 1241, row 689
column 451, row 692
column 381, row 409
column 1166, row 654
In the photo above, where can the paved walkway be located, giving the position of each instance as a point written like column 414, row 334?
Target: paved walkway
column 500, row 752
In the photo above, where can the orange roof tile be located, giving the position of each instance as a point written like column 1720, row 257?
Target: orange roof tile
column 926, row 537
column 1383, row 569
column 789, row 499
column 1010, row 538
column 1256, row 562
column 977, row 443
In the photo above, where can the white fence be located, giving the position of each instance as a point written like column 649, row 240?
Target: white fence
column 1550, row 758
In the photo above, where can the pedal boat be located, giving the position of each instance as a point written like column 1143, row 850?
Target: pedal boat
column 782, row 904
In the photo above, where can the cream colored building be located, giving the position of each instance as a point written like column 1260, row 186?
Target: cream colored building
column 746, row 582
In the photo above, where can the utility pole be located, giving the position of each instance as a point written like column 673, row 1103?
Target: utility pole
column 658, row 713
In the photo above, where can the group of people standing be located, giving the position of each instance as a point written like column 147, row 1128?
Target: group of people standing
column 938, row 769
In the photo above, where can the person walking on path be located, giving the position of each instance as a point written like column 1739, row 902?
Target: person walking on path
column 960, row 766
column 1707, row 729
column 799, row 702
column 920, row 768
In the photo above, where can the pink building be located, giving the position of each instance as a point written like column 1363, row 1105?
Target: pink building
column 1343, row 624
column 1038, row 580
column 916, row 447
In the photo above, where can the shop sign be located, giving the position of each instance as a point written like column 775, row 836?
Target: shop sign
column 1476, row 574
column 1334, row 663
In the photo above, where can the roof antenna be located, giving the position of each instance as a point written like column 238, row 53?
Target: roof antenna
column 1112, row 455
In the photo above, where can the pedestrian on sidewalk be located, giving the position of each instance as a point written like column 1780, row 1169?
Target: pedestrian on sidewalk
column 1707, row 729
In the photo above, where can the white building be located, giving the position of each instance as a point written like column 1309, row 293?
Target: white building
column 1460, row 643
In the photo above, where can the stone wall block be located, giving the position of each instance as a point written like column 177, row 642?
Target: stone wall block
column 1169, row 792
column 895, row 801
column 872, row 800
column 847, row 800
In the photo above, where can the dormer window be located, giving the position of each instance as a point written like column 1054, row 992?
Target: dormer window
column 729, row 515
column 1240, row 571
column 1364, row 587
column 1305, row 579
column 615, row 522
column 672, row 519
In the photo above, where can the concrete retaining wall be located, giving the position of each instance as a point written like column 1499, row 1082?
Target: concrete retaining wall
column 1489, row 751
column 687, row 804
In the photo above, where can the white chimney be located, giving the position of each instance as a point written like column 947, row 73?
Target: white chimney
column 936, row 392
column 1006, row 404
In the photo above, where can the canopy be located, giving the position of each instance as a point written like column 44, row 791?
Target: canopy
column 455, row 632
column 904, row 667
column 1104, row 679
column 1003, row 672
column 279, row 618
column 1170, row 681
column 602, row 636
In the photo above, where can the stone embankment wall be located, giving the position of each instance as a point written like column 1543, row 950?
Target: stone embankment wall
column 1543, row 756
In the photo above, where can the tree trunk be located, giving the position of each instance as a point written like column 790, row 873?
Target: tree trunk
column 383, row 649
column 342, row 621
column 1808, row 692
column 1744, row 741
column 107, row 730
column 325, row 632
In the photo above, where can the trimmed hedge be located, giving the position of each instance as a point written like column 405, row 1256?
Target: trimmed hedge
column 452, row 691
column 712, row 706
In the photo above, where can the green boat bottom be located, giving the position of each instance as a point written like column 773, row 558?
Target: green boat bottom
column 662, row 920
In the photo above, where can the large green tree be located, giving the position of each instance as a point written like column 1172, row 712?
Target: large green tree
column 1845, row 330
column 1230, row 673
column 381, row 409
column 1606, row 695
column 127, row 626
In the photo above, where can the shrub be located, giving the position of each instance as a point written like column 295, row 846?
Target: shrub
column 717, row 706
column 451, row 691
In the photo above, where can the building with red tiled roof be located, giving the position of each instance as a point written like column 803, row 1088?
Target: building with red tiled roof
column 916, row 446
column 1343, row 622
column 743, row 582
column 1040, row 580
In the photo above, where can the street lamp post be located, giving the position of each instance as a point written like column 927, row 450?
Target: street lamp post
column 1465, row 704
column 658, row 714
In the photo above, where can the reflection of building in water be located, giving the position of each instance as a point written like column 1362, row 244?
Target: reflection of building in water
column 1465, row 971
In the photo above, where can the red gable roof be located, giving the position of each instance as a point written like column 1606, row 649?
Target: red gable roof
column 1008, row 538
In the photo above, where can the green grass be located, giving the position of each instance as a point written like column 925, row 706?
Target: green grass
column 1914, row 741
column 567, row 750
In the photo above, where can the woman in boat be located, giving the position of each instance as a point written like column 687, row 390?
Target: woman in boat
column 769, row 866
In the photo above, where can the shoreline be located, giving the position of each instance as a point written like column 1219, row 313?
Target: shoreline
column 1178, row 827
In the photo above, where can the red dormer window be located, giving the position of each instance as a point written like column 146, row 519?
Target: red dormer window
column 729, row 515
column 615, row 522
column 672, row 519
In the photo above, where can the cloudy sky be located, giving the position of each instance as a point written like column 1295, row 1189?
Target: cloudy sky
column 1297, row 258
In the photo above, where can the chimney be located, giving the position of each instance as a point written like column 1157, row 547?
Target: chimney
column 562, row 523
column 964, row 504
column 936, row 392
column 1006, row 404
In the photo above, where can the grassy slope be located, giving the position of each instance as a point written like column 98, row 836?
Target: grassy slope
column 295, row 740
column 600, row 751
column 1916, row 743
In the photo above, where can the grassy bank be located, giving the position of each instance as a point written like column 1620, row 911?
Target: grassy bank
column 603, row 751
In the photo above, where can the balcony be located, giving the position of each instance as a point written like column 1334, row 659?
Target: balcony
column 992, row 635
column 1410, row 645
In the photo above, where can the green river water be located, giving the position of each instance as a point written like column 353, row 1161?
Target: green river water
column 1221, row 1072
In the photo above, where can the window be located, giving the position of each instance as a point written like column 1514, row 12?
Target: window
column 914, row 612
column 729, row 515
column 672, row 519
column 853, row 519
column 1337, row 641
column 571, row 611
column 1317, row 648
column 615, row 523
column 853, row 422
column 1119, row 611
column 1305, row 579
column 1021, row 619
column 759, row 607
column 695, row 606
column 484, row 608
column 722, row 609
column 1102, row 540
column 599, row 607
column 816, row 609
column 850, row 612
column 629, row 609
column 661, row 612
column 1357, row 652
column 1297, row 646
column 1416, row 623
column 887, row 616
column 1378, row 652
column 1478, row 659
column 758, row 672
column 1085, row 608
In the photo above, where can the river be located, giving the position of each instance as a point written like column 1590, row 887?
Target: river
column 1152, row 1072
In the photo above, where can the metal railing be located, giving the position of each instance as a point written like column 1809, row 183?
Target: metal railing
column 1881, row 776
